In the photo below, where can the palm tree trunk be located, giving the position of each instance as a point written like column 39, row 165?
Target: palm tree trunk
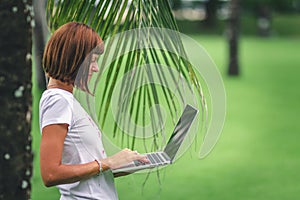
column 40, row 33
column 211, row 13
column 264, row 19
column 15, row 101
column 233, row 36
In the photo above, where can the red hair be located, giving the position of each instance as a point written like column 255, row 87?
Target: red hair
column 69, row 50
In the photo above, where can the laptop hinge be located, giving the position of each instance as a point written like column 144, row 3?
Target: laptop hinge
column 166, row 155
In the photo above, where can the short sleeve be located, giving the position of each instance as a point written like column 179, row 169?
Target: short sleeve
column 55, row 109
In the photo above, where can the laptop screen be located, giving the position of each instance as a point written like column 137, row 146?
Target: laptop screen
column 180, row 131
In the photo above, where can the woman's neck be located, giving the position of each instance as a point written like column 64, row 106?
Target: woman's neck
column 54, row 83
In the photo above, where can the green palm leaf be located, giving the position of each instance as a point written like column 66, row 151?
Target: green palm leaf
column 110, row 18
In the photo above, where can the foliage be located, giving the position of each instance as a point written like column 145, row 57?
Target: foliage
column 277, row 5
column 111, row 17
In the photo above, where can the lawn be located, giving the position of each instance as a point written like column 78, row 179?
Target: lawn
column 257, row 155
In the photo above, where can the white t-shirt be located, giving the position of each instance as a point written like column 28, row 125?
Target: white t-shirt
column 82, row 144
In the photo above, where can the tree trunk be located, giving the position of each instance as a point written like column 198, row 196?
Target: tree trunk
column 210, row 13
column 233, row 36
column 40, row 33
column 15, row 89
column 176, row 4
column 264, row 19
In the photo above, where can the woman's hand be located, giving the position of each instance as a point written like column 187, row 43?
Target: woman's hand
column 122, row 158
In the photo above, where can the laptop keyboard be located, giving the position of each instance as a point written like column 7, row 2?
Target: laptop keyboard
column 154, row 158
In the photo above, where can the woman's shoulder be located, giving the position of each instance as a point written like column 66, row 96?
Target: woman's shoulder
column 55, row 95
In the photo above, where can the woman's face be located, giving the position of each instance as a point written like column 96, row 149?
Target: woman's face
column 93, row 66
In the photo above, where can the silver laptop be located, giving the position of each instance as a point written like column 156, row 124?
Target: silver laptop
column 167, row 156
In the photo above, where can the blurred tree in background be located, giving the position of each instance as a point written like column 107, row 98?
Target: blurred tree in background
column 233, row 36
column 40, row 34
column 263, row 11
column 211, row 13
column 176, row 4
column 283, row 6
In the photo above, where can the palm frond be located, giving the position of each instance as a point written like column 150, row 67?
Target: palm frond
column 128, row 54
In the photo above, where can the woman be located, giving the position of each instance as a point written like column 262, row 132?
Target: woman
column 71, row 151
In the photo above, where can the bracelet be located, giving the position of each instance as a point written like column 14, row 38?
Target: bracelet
column 100, row 167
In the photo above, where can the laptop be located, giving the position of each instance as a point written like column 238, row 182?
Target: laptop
column 167, row 156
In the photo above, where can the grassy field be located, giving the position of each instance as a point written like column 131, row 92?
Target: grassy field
column 257, row 155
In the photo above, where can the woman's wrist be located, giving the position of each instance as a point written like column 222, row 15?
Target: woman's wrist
column 100, row 168
column 103, row 165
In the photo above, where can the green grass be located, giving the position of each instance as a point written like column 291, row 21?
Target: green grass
column 286, row 25
column 256, row 156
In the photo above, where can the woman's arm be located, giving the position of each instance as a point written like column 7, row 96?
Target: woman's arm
column 54, row 172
